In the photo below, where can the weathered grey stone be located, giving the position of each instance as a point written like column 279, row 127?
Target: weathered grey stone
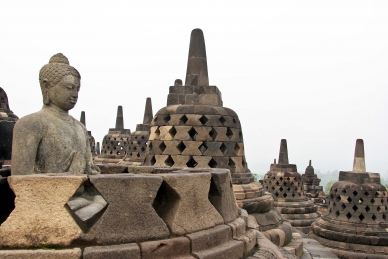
column 112, row 169
column 74, row 253
column 127, row 251
column 52, row 141
column 40, row 217
column 188, row 208
column 129, row 216
column 167, row 248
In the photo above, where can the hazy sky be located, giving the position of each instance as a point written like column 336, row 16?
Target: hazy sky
column 313, row 72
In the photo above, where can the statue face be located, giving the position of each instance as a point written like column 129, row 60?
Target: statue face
column 64, row 94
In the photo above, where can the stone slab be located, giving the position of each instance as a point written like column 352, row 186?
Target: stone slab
column 74, row 253
column 189, row 208
column 129, row 216
column 40, row 216
column 167, row 248
column 128, row 251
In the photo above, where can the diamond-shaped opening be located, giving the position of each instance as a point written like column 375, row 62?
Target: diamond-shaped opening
column 86, row 206
column 213, row 134
column 360, row 201
column 7, row 202
column 223, row 148
column 377, row 194
column 276, row 194
column 166, row 201
column 142, row 149
column 277, row 182
column 366, row 194
column 293, row 195
column 348, row 215
column 374, row 217
column 203, row 119
column 162, row 147
column 237, row 148
column 215, row 196
column 234, row 120
column 202, row 147
column 281, row 178
column 212, row 163
column 118, row 153
column 240, row 135
column 361, row 217
column 231, row 163
column 334, row 204
column 191, row 163
column 343, row 206
column 281, row 189
column 135, row 148
column 181, row 146
column 229, row 133
column 285, row 195
column 288, row 189
column 169, row 161
column 384, row 217
column 372, row 201
column 349, row 199
column 193, row 133
column 338, row 198
column 378, row 209
column 222, row 120
column 157, row 132
column 367, row 209
column 273, row 188
column 150, row 145
column 138, row 142
column 138, row 155
column 172, row 132
column 344, row 191
column 355, row 193
column 153, row 160
column 337, row 213
column 355, row 208
column 166, row 118
column 183, row 120
column 142, row 137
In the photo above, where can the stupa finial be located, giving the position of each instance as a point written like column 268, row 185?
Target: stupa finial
column 283, row 153
column 196, row 73
column 82, row 119
column 119, row 118
column 359, row 157
column 148, row 115
column 309, row 162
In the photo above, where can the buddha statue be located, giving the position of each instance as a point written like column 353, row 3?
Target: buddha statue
column 50, row 140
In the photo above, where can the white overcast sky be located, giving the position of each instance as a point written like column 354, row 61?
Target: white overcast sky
column 313, row 72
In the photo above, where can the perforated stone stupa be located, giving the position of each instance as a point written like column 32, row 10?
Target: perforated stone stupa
column 115, row 143
column 285, row 184
column 138, row 143
column 311, row 182
column 7, row 122
column 356, row 224
column 91, row 138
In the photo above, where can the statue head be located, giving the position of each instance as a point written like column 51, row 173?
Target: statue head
column 59, row 83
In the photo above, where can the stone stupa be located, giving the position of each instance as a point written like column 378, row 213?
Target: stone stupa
column 313, row 190
column 137, row 147
column 7, row 122
column 285, row 184
column 115, row 143
column 91, row 138
column 195, row 130
column 356, row 224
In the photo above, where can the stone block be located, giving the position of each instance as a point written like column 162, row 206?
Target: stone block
column 128, row 251
column 129, row 216
column 203, row 99
column 112, row 169
column 192, row 148
column 221, row 195
column 74, row 253
column 40, row 216
column 167, row 248
column 203, row 161
column 180, row 161
column 171, row 147
column 217, row 243
column 182, row 133
column 189, row 208
column 213, row 149
column 203, row 133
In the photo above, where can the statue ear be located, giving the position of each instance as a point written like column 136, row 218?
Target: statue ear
column 45, row 84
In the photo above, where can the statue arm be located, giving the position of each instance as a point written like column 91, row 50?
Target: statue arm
column 27, row 135
column 91, row 168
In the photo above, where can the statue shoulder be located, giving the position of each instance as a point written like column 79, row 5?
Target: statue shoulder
column 33, row 121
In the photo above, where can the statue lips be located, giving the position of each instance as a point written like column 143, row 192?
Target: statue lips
column 73, row 100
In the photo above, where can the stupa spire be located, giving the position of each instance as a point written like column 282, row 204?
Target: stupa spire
column 82, row 119
column 148, row 115
column 119, row 118
column 359, row 157
column 196, row 73
column 283, row 153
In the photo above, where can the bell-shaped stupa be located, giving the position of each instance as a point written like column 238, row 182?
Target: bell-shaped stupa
column 286, row 186
column 138, row 144
column 356, row 224
column 115, row 143
column 91, row 138
column 7, row 122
